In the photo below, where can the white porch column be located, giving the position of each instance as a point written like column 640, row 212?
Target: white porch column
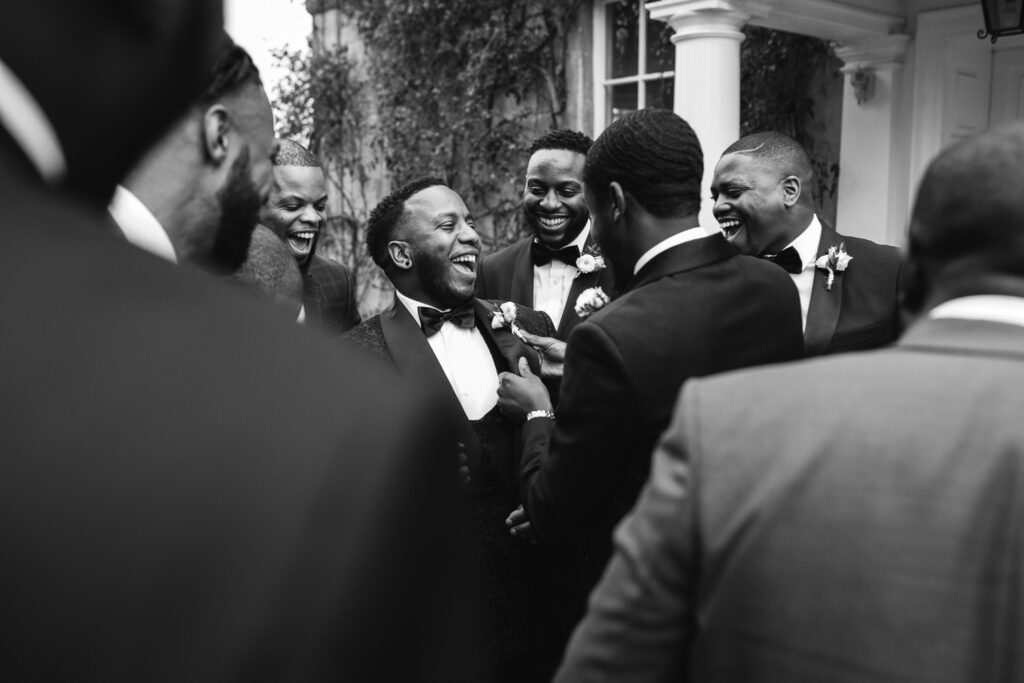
column 707, row 75
column 874, row 150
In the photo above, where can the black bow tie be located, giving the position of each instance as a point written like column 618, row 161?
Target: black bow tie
column 788, row 259
column 543, row 255
column 431, row 319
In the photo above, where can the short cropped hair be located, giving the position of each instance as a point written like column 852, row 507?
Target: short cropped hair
column 291, row 153
column 233, row 69
column 387, row 216
column 655, row 156
column 778, row 150
column 563, row 138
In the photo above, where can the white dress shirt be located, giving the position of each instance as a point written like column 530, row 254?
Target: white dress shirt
column 139, row 225
column 466, row 361
column 25, row 120
column 806, row 245
column 994, row 308
column 667, row 243
column 552, row 281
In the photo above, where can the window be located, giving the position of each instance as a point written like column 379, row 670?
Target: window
column 634, row 61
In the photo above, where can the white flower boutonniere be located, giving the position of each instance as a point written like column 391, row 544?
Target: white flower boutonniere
column 835, row 261
column 589, row 262
column 590, row 301
column 505, row 316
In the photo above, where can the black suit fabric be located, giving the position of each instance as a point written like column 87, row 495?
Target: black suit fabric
column 861, row 311
column 329, row 296
column 181, row 500
column 694, row 310
column 507, row 275
column 517, row 640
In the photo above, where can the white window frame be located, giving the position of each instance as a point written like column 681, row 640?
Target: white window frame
column 602, row 83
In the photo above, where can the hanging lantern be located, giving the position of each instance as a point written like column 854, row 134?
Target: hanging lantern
column 1002, row 18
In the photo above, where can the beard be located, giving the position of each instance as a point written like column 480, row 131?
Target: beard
column 240, row 203
column 434, row 280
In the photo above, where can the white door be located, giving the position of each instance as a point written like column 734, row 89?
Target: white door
column 1007, row 86
column 967, row 74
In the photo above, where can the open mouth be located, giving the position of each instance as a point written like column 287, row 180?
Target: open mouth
column 465, row 262
column 301, row 242
column 553, row 222
column 730, row 227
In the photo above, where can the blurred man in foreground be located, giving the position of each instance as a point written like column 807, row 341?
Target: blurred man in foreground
column 162, row 519
column 880, row 540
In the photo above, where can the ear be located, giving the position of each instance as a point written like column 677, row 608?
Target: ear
column 400, row 254
column 618, row 196
column 791, row 188
column 216, row 124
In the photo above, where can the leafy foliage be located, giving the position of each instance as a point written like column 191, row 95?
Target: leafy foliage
column 782, row 76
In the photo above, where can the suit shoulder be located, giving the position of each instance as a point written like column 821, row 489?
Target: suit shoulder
column 507, row 255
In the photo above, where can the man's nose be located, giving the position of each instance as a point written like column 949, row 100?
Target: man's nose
column 550, row 200
column 468, row 235
column 310, row 216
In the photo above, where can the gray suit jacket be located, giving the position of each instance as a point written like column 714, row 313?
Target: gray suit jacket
column 875, row 535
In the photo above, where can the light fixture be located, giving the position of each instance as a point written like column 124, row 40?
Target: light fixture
column 1002, row 18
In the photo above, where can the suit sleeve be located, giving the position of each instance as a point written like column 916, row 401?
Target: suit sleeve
column 570, row 469
column 640, row 620
column 351, row 318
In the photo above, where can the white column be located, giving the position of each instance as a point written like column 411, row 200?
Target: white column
column 874, row 150
column 707, row 75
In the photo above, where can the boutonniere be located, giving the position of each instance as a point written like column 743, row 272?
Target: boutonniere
column 505, row 316
column 835, row 261
column 590, row 261
column 591, row 301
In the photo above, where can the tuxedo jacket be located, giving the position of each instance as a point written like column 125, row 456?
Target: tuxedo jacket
column 181, row 500
column 504, row 563
column 507, row 275
column 329, row 296
column 856, row 518
column 696, row 309
column 861, row 311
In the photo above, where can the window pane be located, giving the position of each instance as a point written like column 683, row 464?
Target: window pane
column 623, row 99
column 661, row 53
column 659, row 94
column 624, row 37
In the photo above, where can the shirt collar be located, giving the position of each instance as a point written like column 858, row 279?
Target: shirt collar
column 806, row 243
column 25, row 120
column 990, row 307
column 140, row 226
column 413, row 306
column 667, row 243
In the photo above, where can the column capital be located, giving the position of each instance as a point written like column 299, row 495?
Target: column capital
column 705, row 18
column 873, row 52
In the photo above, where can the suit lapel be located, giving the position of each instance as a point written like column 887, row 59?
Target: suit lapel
column 686, row 256
column 522, row 276
column 826, row 304
column 501, row 341
column 580, row 282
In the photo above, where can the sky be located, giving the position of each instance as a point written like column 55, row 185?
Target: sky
column 263, row 25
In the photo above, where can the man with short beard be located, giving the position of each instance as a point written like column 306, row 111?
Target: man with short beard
column 452, row 344
column 296, row 212
column 196, row 195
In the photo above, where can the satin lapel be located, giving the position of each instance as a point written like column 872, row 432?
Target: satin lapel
column 826, row 304
column 686, row 256
column 580, row 282
column 521, row 291
column 416, row 360
column 510, row 347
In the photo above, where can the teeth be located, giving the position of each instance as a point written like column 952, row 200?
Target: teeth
column 304, row 235
column 552, row 221
column 729, row 224
column 465, row 258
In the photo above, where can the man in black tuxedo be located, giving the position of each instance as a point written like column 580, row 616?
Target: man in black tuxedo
column 764, row 205
column 296, row 213
column 196, row 196
column 163, row 519
column 439, row 335
column 690, row 307
column 543, row 270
